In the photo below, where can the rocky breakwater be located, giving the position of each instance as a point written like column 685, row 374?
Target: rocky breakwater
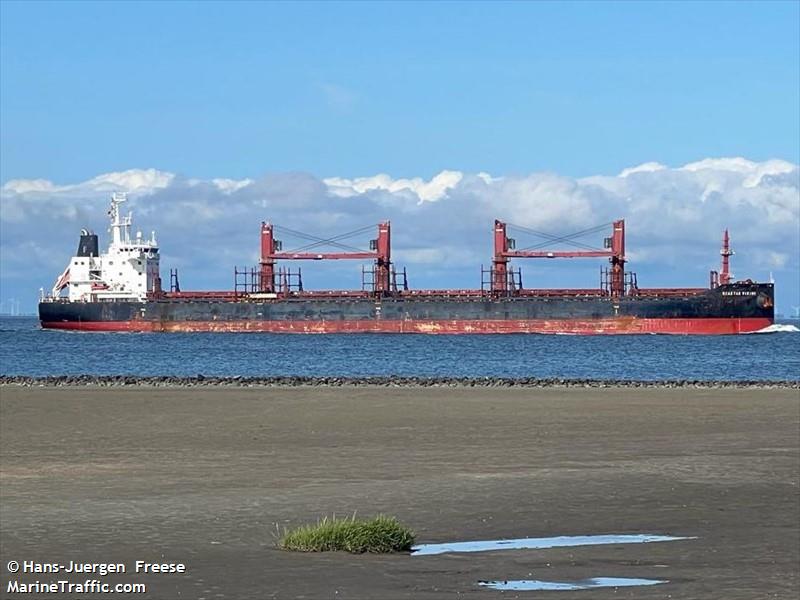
column 398, row 381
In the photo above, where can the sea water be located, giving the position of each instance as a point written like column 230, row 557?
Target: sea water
column 26, row 349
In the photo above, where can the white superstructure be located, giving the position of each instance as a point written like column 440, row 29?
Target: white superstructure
column 128, row 270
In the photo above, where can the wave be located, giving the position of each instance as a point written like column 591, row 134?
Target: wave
column 779, row 328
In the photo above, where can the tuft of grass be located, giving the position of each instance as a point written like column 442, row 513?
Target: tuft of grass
column 380, row 534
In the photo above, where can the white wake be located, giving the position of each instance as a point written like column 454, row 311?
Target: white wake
column 779, row 328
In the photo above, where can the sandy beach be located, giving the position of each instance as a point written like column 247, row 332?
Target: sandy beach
column 203, row 477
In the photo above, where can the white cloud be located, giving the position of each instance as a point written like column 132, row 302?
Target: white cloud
column 753, row 172
column 771, row 259
column 132, row 180
column 647, row 167
column 441, row 227
column 487, row 178
column 427, row 191
column 228, row 186
column 25, row 186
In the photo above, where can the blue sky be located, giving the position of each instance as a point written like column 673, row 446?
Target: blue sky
column 301, row 107
column 239, row 89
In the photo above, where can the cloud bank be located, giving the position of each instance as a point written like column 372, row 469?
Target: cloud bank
column 441, row 227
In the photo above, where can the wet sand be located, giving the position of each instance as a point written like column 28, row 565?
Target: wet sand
column 202, row 475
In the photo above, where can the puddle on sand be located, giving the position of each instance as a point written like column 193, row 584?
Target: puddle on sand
column 585, row 584
column 562, row 541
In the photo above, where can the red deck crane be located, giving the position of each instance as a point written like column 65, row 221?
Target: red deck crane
column 504, row 250
column 380, row 251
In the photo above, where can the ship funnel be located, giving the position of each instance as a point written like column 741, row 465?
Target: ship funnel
column 88, row 246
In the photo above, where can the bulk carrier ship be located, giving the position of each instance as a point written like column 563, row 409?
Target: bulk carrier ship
column 120, row 290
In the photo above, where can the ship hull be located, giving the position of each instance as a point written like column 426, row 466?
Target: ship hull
column 727, row 326
column 730, row 309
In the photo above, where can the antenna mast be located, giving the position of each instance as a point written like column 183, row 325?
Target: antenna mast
column 726, row 252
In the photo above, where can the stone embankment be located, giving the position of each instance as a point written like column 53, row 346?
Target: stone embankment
column 391, row 381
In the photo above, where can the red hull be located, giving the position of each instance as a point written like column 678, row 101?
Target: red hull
column 708, row 326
